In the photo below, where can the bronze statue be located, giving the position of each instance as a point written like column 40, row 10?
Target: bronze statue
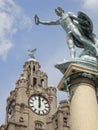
column 31, row 53
column 79, row 30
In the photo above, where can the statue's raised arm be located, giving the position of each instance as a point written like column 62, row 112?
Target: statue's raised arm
column 37, row 21
column 61, row 21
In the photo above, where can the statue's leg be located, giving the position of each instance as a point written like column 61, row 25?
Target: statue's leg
column 71, row 45
column 87, row 43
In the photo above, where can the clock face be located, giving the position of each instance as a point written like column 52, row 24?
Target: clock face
column 39, row 104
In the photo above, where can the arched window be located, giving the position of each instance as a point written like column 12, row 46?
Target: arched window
column 21, row 119
column 11, row 108
column 56, row 123
column 42, row 82
column 29, row 67
column 39, row 125
column 65, row 121
column 34, row 68
column 34, row 81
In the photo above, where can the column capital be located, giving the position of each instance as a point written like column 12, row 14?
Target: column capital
column 75, row 72
column 80, row 77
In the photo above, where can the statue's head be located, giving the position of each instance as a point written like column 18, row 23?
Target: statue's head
column 59, row 11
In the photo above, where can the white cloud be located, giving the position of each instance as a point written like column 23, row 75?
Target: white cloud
column 91, row 5
column 5, row 46
column 12, row 18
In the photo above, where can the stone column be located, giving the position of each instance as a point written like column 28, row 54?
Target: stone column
column 83, row 107
column 82, row 84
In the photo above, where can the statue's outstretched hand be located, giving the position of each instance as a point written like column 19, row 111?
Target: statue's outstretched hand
column 36, row 19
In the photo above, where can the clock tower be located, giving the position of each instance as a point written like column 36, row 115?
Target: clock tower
column 33, row 101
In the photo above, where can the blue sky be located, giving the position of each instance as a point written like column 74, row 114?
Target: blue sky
column 18, row 33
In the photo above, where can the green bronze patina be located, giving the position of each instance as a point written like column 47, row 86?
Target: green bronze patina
column 31, row 53
column 79, row 30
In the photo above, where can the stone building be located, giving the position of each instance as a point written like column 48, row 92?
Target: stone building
column 32, row 105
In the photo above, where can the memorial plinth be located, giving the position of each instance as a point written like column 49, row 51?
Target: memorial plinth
column 81, row 81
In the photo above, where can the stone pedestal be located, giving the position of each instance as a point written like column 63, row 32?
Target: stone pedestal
column 83, row 107
column 81, row 82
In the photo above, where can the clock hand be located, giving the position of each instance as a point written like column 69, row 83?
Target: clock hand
column 39, row 102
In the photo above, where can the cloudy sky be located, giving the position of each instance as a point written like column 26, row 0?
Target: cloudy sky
column 18, row 33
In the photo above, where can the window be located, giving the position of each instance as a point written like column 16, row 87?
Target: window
column 39, row 125
column 42, row 82
column 21, row 119
column 34, row 81
column 65, row 121
column 56, row 123
column 29, row 67
column 11, row 108
column 34, row 68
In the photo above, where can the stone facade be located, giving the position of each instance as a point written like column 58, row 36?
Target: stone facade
column 21, row 116
column 60, row 119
